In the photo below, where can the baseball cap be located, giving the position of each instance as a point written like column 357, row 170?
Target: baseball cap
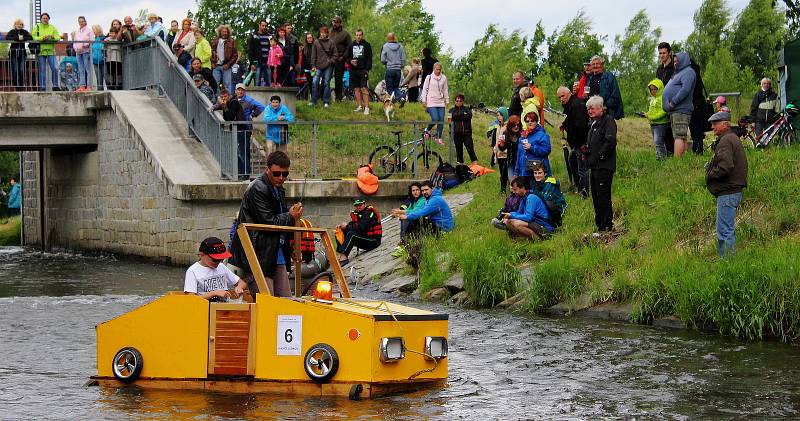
column 359, row 202
column 720, row 116
column 215, row 248
column 240, row 85
column 197, row 77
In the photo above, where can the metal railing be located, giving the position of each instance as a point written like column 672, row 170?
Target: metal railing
column 151, row 64
column 336, row 149
column 57, row 66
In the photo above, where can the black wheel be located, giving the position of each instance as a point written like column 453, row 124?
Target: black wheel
column 321, row 363
column 749, row 142
column 426, row 163
column 787, row 138
column 127, row 364
column 384, row 161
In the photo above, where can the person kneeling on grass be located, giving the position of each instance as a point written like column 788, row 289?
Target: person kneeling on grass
column 363, row 231
column 511, row 205
column 208, row 278
column 531, row 220
column 439, row 218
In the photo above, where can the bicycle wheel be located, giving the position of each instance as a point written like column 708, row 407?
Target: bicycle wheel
column 748, row 141
column 426, row 163
column 788, row 137
column 384, row 161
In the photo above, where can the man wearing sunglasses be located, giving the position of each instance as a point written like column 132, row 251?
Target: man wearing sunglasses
column 264, row 202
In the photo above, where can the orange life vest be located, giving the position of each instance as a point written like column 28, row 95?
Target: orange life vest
column 307, row 241
column 376, row 229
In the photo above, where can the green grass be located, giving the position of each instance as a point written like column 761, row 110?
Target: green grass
column 10, row 231
column 665, row 263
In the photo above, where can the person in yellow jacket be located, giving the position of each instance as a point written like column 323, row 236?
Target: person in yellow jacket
column 530, row 104
column 47, row 35
column 202, row 49
column 659, row 119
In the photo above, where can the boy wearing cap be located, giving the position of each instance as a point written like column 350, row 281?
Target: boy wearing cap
column 210, row 279
column 726, row 176
column 363, row 231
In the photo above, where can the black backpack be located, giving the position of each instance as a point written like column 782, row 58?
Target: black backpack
column 445, row 176
column 464, row 173
column 554, row 212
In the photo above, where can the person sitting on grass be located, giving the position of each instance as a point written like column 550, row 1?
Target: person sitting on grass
column 433, row 218
column 531, row 220
column 511, row 205
column 549, row 190
column 414, row 201
column 364, row 231
column 208, row 278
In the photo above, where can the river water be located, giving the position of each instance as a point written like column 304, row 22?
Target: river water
column 501, row 366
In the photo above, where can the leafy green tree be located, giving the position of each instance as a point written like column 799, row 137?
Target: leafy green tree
column 411, row 24
column 710, row 21
column 757, row 36
column 535, row 48
column 243, row 16
column 722, row 74
column 634, row 60
column 9, row 165
column 571, row 46
column 484, row 74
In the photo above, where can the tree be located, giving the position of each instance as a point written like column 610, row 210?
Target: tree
column 243, row 17
column 721, row 74
column 570, row 47
column 484, row 74
column 710, row 21
column 535, row 48
column 634, row 60
column 793, row 17
column 411, row 24
column 757, row 36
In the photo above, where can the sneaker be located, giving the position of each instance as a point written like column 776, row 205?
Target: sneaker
column 366, row 111
column 326, row 105
column 402, row 102
column 358, row 109
column 597, row 234
column 310, row 104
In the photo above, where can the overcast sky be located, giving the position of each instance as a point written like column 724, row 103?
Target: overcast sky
column 460, row 22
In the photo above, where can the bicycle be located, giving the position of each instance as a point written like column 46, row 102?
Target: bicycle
column 745, row 132
column 386, row 160
column 782, row 129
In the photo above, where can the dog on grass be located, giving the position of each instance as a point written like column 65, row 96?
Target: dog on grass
column 388, row 107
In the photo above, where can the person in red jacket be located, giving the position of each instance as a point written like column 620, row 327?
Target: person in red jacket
column 364, row 230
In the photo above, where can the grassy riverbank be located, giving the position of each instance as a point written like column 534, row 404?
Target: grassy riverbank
column 666, row 261
column 10, row 230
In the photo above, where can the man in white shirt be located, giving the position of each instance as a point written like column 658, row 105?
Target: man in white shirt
column 208, row 278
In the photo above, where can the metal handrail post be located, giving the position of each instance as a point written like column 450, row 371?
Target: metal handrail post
column 314, row 150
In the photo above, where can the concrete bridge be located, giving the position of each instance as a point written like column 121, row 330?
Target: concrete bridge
column 121, row 172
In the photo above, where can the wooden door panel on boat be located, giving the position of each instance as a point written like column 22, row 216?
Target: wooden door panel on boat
column 230, row 345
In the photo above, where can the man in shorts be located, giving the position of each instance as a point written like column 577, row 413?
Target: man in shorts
column 210, row 279
column 677, row 101
column 359, row 56
column 531, row 220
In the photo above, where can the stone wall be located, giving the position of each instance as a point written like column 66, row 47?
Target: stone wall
column 117, row 199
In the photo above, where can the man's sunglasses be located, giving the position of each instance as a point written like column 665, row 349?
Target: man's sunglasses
column 283, row 174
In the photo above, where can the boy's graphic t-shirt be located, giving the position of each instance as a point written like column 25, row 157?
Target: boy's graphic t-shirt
column 200, row 279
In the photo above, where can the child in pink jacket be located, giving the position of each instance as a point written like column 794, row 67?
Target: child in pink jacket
column 274, row 60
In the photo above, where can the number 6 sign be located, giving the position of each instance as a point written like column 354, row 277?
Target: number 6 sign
column 290, row 335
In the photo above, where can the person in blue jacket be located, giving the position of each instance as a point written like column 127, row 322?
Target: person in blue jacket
column 677, row 101
column 278, row 133
column 14, row 199
column 531, row 220
column 434, row 217
column 534, row 144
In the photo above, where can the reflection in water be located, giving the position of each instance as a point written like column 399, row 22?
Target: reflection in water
column 501, row 366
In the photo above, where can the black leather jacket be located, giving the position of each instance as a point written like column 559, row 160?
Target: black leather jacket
column 263, row 204
column 602, row 142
